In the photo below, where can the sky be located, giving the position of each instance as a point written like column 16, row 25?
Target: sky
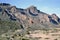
column 47, row 6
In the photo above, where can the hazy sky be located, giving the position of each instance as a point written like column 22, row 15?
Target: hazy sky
column 47, row 6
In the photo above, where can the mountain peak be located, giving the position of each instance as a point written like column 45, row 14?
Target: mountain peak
column 33, row 9
column 54, row 14
column 32, row 6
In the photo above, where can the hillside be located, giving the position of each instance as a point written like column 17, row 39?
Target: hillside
column 29, row 19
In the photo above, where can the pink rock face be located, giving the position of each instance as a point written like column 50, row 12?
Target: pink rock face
column 30, row 21
column 44, row 18
column 20, row 16
column 13, row 9
column 55, row 17
column 32, row 9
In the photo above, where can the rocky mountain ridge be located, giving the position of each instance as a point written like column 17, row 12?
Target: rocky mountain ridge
column 29, row 16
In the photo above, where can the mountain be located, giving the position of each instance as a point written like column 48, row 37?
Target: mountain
column 13, row 20
column 29, row 16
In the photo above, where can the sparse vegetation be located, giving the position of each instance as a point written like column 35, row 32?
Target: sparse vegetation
column 8, row 25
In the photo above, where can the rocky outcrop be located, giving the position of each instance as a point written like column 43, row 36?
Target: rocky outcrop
column 13, row 9
column 55, row 17
column 32, row 9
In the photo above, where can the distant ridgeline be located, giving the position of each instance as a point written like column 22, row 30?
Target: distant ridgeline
column 4, row 4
